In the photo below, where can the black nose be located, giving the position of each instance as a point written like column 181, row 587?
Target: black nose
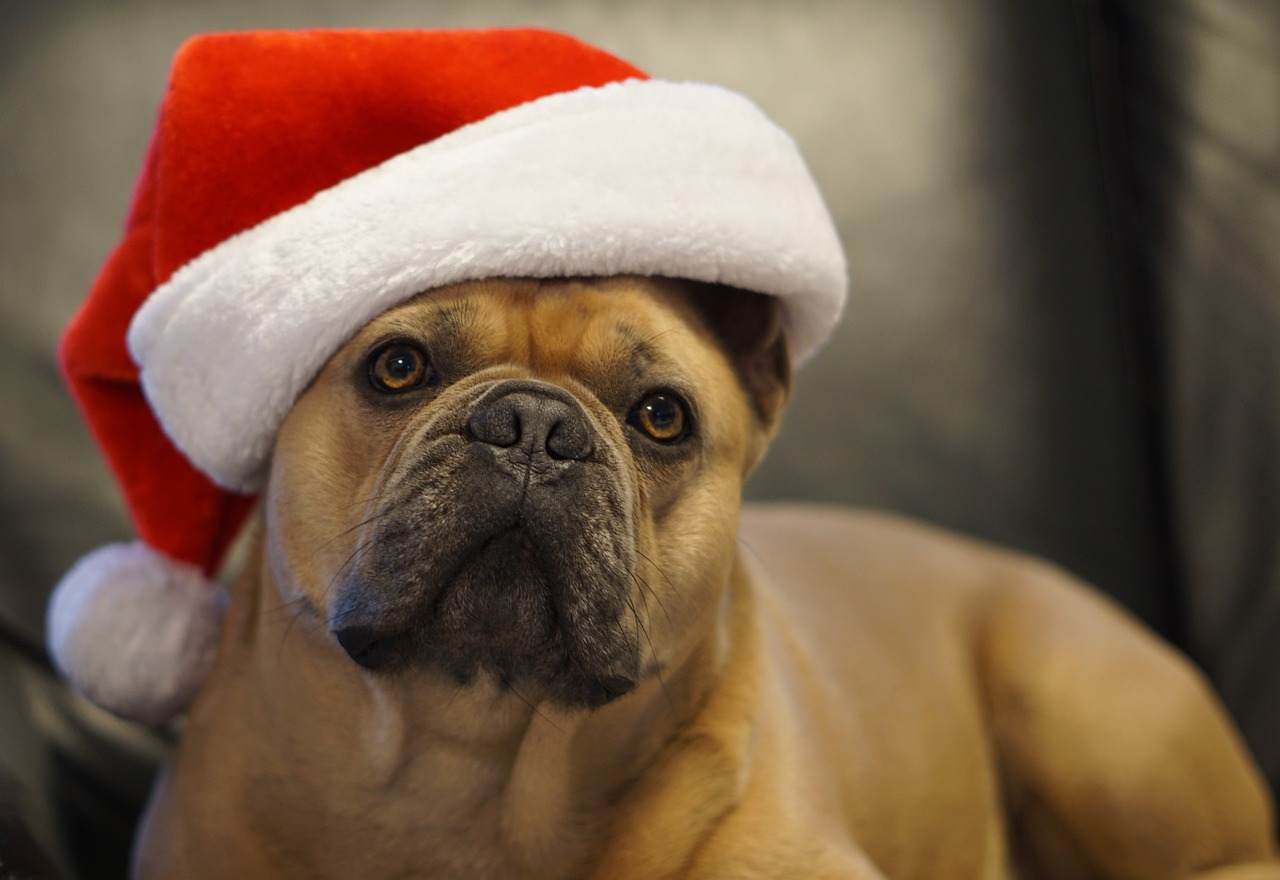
column 535, row 422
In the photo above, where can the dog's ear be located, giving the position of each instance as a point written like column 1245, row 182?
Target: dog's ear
column 749, row 328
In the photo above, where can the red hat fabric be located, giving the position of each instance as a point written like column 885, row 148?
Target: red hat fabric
column 300, row 183
column 254, row 124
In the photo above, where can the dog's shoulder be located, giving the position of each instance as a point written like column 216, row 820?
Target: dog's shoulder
column 828, row 554
column 1092, row 717
column 849, row 551
column 886, row 573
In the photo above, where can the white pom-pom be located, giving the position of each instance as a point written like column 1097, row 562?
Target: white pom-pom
column 134, row 631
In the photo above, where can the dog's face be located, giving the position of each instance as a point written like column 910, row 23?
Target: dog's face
column 532, row 485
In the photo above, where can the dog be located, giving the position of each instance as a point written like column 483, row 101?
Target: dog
column 504, row 616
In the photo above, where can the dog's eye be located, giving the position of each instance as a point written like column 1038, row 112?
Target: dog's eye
column 661, row 416
column 399, row 367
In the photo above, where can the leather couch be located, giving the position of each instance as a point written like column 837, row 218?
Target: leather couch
column 1063, row 228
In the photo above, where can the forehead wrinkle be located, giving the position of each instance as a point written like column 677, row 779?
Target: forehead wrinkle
column 605, row 349
column 462, row 333
column 647, row 351
column 518, row 317
column 558, row 323
column 619, row 354
column 642, row 355
column 458, row 316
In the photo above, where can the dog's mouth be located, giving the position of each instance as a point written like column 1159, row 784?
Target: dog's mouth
column 495, row 561
column 475, row 601
column 503, row 615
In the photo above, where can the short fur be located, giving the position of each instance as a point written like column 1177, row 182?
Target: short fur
column 583, row 665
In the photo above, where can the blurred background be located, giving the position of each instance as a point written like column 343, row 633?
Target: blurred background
column 1062, row 221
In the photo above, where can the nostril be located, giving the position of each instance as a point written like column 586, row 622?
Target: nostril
column 497, row 425
column 370, row 648
column 570, row 440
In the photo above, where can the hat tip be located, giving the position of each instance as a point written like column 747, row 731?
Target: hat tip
column 134, row 631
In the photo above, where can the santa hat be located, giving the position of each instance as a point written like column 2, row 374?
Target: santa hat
column 300, row 183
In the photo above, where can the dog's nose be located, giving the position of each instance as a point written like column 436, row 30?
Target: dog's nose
column 536, row 423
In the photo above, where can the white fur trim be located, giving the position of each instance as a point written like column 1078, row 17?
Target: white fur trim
column 134, row 631
column 640, row 177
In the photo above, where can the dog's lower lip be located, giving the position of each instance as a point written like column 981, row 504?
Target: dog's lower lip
column 606, row 690
column 366, row 646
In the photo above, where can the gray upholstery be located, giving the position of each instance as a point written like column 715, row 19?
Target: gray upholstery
column 1063, row 228
column 1202, row 87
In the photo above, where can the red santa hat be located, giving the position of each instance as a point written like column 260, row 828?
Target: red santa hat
column 300, row 183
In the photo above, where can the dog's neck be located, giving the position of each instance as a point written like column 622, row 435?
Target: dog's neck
column 500, row 783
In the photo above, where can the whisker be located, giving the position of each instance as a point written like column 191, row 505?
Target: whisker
column 657, row 663
column 656, row 597
column 635, row 615
column 283, row 609
column 360, row 548
column 288, row 629
column 359, row 525
column 536, row 711
column 377, row 496
column 656, row 336
column 365, row 545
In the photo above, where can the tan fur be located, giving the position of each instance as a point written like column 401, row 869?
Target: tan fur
column 825, row 694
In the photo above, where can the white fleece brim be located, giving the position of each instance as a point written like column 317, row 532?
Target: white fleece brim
column 640, row 177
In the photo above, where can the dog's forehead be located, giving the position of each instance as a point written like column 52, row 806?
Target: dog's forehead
column 600, row 325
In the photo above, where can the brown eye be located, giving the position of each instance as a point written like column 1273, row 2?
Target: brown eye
column 661, row 416
column 399, row 367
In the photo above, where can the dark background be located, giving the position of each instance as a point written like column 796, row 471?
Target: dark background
column 1062, row 221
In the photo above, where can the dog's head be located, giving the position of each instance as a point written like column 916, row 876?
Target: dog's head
column 532, row 484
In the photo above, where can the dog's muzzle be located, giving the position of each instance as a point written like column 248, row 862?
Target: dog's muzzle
column 507, row 548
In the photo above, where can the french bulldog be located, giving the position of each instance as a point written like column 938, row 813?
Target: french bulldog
column 503, row 615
